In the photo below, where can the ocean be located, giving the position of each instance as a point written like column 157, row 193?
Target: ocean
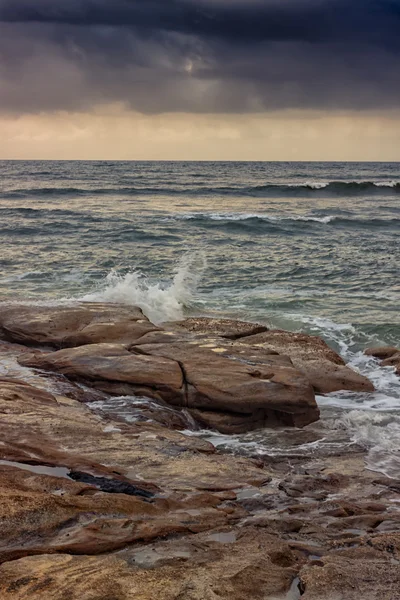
column 310, row 247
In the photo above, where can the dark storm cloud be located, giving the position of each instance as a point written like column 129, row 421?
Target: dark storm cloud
column 199, row 56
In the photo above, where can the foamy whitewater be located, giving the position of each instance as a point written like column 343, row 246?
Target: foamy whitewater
column 310, row 247
column 159, row 302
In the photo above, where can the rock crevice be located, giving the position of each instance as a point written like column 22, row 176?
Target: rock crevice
column 255, row 376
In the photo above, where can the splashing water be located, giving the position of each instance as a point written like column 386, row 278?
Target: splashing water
column 160, row 302
column 379, row 434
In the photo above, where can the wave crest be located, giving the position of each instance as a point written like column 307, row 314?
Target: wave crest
column 263, row 190
column 159, row 301
column 276, row 220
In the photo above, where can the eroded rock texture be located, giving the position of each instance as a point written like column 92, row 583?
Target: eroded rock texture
column 234, row 376
column 75, row 325
column 94, row 508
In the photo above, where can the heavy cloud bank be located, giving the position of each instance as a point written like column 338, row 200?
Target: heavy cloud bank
column 204, row 56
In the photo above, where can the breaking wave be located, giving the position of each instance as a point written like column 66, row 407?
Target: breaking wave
column 250, row 217
column 379, row 434
column 160, row 301
column 267, row 189
column 260, row 218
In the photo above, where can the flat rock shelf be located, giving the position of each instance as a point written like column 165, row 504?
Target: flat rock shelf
column 97, row 508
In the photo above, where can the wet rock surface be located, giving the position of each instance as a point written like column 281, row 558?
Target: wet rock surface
column 382, row 352
column 322, row 366
column 90, row 544
column 216, row 381
column 352, row 575
column 225, row 328
column 393, row 361
column 255, row 377
column 390, row 356
column 136, row 409
column 193, row 373
column 255, row 566
column 73, row 325
column 41, row 428
column 158, row 377
column 96, row 507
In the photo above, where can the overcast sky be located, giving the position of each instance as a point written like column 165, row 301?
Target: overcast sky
column 228, row 79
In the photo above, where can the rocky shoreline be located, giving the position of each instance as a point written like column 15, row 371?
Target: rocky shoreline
column 95, row 508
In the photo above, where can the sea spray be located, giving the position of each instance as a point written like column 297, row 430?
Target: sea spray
column 159, row 301
column 379, row 434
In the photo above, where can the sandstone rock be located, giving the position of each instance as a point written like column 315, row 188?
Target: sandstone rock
column 393, row 361
column 382, row 352
column 323, row 367
column 73, row 325
column 295, row 345
column 41, row 429
column 361, row 523
column 41, row 514
column 55, row 383
column 57, row 534
column 126, row 511
column 193, row 374
column 235, row 372
column 352, row 575
column 133, row 409
column 154, row 376
column 225, row 328
column 254, row 565
column 216, row 381
column 92, row 323
column 315, row 486
column 234, row 423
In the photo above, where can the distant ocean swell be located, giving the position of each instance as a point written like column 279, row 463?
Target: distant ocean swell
column 331, row 188
column 260, row 220
column 42, row 221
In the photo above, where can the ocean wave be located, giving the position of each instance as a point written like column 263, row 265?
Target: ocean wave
column 208, row 216
column 44, row 192
column 159, row 301
column 347, row 188
column 265, row 189
column 22, row 276
column 259, row 218
column 379, row 434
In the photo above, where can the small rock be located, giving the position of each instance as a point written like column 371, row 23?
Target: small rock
column 382, row 352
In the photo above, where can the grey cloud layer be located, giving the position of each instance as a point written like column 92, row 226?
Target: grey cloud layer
column 199, row 56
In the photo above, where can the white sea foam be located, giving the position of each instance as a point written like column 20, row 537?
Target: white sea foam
column 227, row 216
column 387, row 384
column 379, row 434
column 390, row 184
column 218, row 216
column 319, row 185
column 315, row 185
column 372, row 420
column 341, row 334
column 327, row 219
column 160, row 302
